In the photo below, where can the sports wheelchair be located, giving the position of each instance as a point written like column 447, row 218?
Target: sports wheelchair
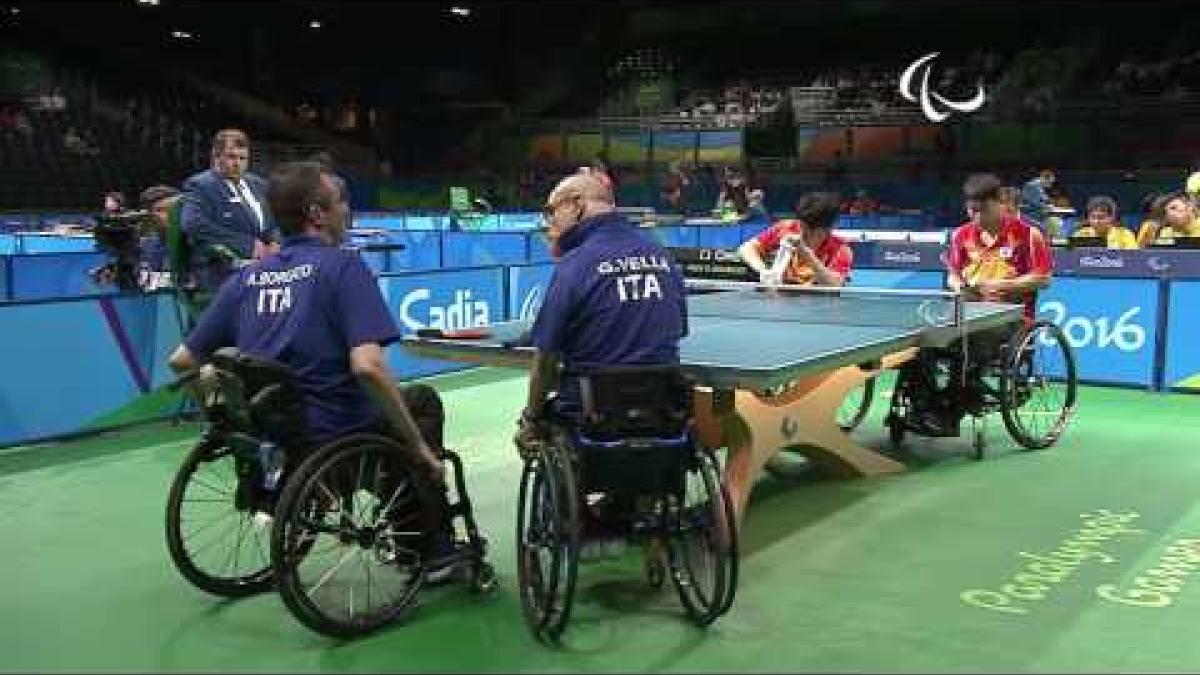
column 345, row 531
column 1026, row 372
column 634, row 445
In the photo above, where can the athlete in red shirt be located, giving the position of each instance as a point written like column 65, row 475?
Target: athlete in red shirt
column 820, row 258
column 995, row 256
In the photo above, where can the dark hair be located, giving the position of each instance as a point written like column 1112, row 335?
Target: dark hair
column 295, row 187
column 819, row 209
column 154, row 194
column 323, row 158
column 982, row 187
column 229, row 138
column 1103, row 202
column 1150, row 203
column 1172, row 196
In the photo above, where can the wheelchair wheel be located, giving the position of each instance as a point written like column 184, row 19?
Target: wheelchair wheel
column 1038, row 385
column 216, row 534
column 854, row 409
column 547, row 542
column 702, row 542
column 351, row 536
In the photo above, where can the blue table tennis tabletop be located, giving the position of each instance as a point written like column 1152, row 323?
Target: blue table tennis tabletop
column 754, row 339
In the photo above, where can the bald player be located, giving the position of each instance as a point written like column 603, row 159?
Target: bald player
column 615, row 297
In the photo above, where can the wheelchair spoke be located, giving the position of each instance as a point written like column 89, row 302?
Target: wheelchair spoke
column 208, row 524
column 210, row 488
column 223, row 518
column 333, row 570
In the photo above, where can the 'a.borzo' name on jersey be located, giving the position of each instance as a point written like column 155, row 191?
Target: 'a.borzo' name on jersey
column 272, row 300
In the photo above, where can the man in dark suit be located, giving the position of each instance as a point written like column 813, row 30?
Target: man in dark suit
column 225, row 214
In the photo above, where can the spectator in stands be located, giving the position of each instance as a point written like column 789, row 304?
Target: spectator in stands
column 22, row 124
column 1102, row 221
column 862, row 204
column 8, row 118
column 1151, row 219
column 1192, row 184
column 226, row 217
column 1178, row 218
column 1035, row 197
column 114, row 202
column 74, row 141
column 835, row 171
column 674, row 187
column 733, row 199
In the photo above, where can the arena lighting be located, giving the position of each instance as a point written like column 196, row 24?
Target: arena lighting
column 148, row 3
column 460, row 11
column 181, row 34
column 314, row 24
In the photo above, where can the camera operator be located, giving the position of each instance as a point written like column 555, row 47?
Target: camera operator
column 137, row 242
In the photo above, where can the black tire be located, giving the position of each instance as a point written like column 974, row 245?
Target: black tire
column 855, row 408
column 1028, row 395
column 482, row 579
column 978, row 444
column 547, row 542
column 705, row 575
column 374, row 511
column 213, row 471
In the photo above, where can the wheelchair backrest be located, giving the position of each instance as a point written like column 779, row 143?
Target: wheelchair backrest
column 261, row 397
column 635, row 402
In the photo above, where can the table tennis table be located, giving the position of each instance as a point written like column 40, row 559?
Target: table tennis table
column 784, row 358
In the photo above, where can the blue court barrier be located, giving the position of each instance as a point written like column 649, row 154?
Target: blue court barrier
column 895, row 278
column 1181, row 371
column 675, row 236
column 83, row 363
column 447, row 299
column 8, row 244
column 56, row 243
column 539, row 247
column 472, row 249
column 52, row 276
column 719, row 237
column 1112, row 324
column 526, row 289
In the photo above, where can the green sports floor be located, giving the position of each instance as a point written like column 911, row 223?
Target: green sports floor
column 1084, row 557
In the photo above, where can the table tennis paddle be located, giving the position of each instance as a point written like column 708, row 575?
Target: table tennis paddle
column 455, row 334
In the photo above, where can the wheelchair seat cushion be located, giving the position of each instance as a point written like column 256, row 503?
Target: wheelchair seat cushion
column 627, row 402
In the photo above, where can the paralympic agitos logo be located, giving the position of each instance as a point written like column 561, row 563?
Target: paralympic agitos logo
column 933, row 104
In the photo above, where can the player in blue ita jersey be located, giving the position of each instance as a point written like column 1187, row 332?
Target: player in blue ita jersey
column 615, row 298
column 317, row 308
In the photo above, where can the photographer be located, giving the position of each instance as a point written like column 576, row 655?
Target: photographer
column 137, row 242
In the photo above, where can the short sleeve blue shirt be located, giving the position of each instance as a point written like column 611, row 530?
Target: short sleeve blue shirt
column 615, row 298
column 306, row 307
